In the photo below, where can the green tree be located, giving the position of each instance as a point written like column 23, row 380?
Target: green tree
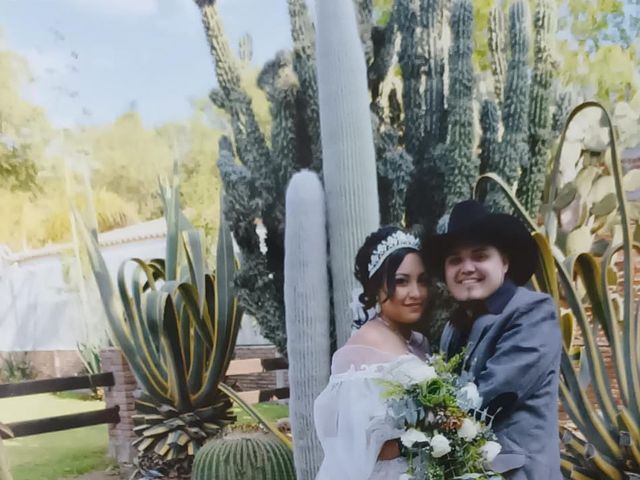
column 127, row 158
column 199, row 176
column 600, row 52
column 597, row 48
column 24, row 128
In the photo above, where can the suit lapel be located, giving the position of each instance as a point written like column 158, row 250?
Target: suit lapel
column 478, row 330
column 445, row 341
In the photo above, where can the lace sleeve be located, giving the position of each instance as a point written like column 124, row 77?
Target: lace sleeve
column 357, row 357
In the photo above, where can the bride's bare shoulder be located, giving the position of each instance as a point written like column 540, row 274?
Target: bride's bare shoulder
column 375, row 335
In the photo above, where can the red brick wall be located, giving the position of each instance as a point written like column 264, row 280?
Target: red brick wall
column 121, row 394
column 257, row 381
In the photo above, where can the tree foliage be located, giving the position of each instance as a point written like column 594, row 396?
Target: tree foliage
column 122, row 160
column 597, row 43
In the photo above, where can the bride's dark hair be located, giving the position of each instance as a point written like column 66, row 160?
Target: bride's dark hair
column 385, row 276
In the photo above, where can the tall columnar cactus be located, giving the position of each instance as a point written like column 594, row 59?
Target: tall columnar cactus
column 304, row 65
column 395, row 170
column 490, row 126
column 422, row 58
column 412, row 75
column 307, row 312
column 432, row 25
column 497, row 51
column 347, row 144
column 257, row 457
column 563, row 105
column 513, row 152
column 531, row 184
column 418, row 129
column 256, row 184
column 462, row 165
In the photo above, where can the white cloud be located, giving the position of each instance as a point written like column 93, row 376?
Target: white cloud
column 120, row 7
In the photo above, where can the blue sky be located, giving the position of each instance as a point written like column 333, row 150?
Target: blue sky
column 90, row 59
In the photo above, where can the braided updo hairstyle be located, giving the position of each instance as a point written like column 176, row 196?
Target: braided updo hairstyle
column 385, row 276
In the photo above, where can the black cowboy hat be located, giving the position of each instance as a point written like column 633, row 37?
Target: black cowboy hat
column 470, row 221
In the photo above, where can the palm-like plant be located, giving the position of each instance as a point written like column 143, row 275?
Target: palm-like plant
column 176, row 323
column 607, row 444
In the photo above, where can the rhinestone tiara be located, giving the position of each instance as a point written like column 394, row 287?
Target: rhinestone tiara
column 393, row 242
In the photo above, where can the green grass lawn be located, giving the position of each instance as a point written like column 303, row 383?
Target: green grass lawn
column 53, row 456
column 271, row 411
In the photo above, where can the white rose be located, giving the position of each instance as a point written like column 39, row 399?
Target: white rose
column 440, row 446
column 471, row 394
column 490, row 450
column 418, row 373
column 468, row 430
column 412, row 436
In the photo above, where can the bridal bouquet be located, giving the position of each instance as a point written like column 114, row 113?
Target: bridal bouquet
column 445, row 435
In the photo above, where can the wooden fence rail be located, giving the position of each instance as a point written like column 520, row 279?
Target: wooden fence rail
column 259, row 365
column 111, row 415
column 52, row 385
column 62, row 422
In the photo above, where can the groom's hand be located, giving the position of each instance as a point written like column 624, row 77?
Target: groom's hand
column 390, row 450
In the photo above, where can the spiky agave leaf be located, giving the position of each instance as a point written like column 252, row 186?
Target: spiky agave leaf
column 612, row 426
column 177, row 324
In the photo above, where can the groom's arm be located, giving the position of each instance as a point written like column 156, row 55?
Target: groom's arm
column 528, row 348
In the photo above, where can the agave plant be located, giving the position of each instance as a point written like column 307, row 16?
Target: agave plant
column 606, row 440
column 176, row 323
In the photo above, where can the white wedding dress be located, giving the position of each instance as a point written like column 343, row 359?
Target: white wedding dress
column 351, row 416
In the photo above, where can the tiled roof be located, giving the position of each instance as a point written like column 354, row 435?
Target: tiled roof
column 132, row 233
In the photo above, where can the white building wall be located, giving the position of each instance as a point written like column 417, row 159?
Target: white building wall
column 39, row 311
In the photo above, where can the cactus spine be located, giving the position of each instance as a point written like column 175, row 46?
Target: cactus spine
column 531, row 184
column 412, row 76
column 514, row 150
column 490, row 125
column 431, row 31
column 497, row 51
column 304, row 64
column 462, row 167
column 307, row 313
column 258, row 457
column 347, row 145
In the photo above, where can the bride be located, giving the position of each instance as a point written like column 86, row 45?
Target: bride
column 359, row 441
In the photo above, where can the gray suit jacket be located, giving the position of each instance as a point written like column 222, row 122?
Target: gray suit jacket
column 514, row 357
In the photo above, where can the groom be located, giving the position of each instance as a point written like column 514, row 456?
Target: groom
column 510, row 334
